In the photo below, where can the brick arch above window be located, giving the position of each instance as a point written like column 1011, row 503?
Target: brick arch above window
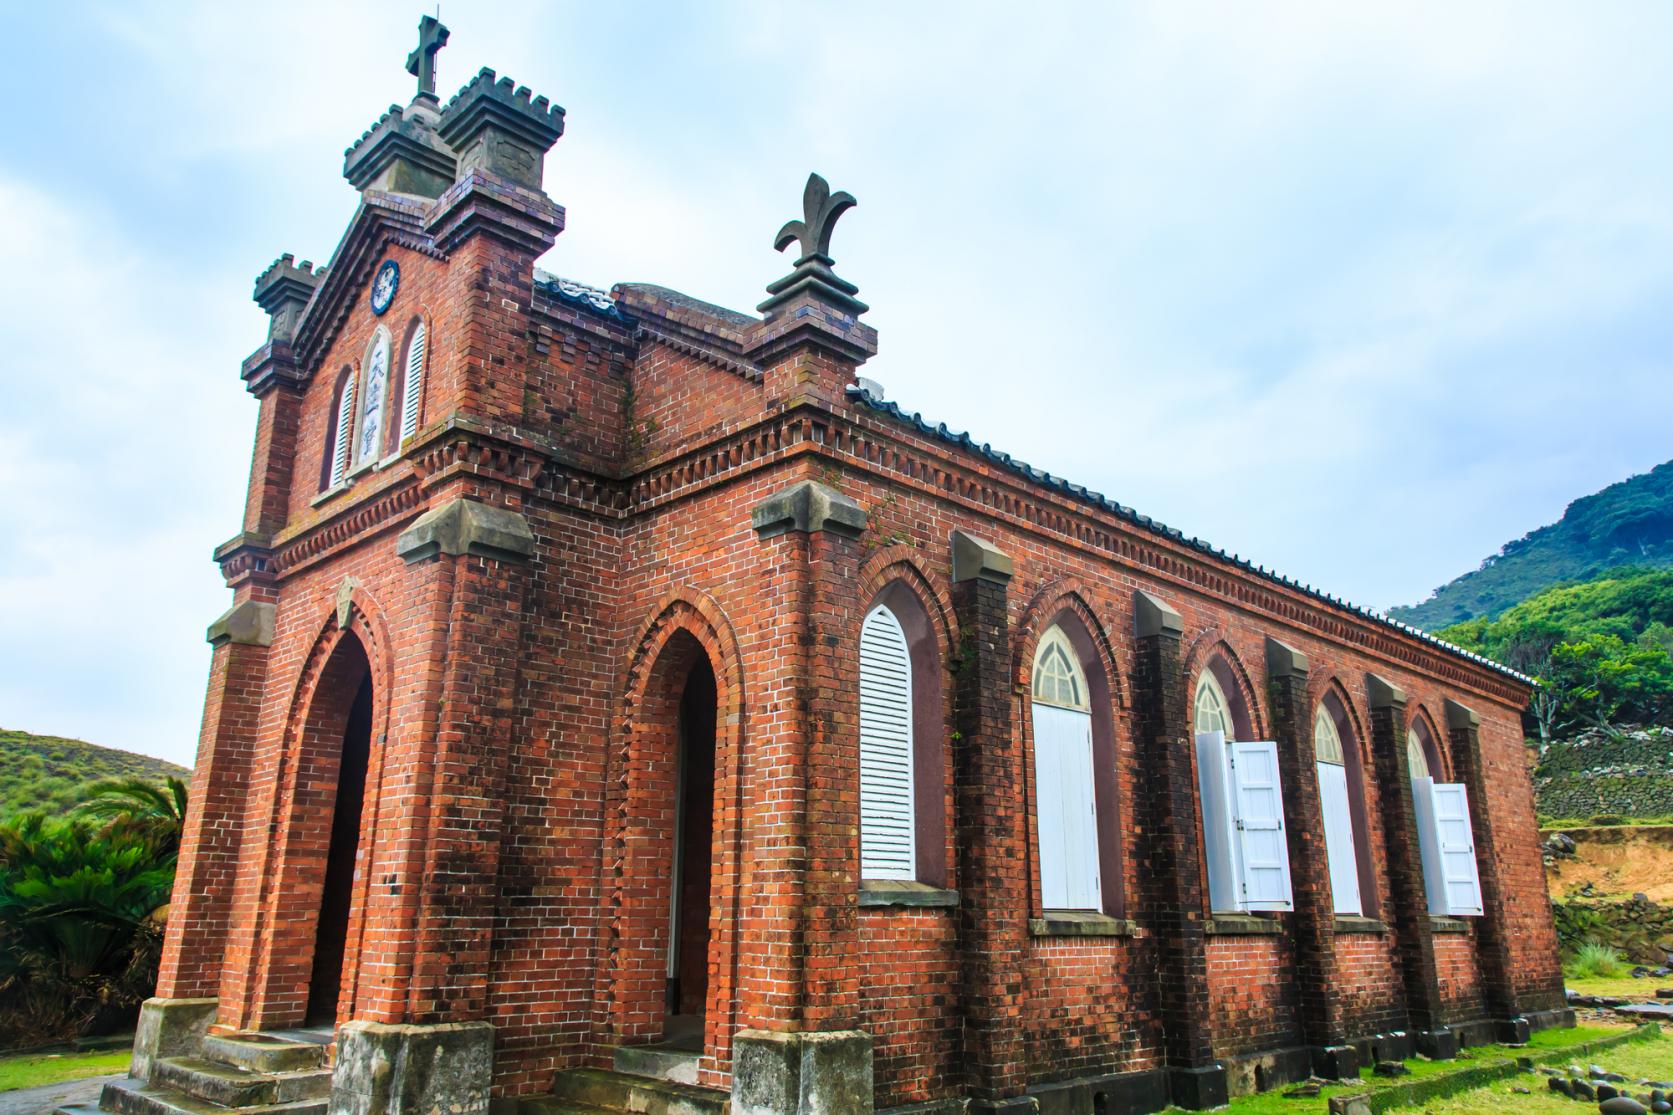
column 1212, row 654
column 1424, row 740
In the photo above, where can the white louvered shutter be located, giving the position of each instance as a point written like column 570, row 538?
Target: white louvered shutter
column 1263, row 851
column 1066, row 809
column 1454, row 884
column 1218, row 821
column 413, row 388
column 1339, row 838
column 345, row 433
column 888, row 845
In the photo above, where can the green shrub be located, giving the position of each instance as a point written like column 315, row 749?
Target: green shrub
column 1595, row 960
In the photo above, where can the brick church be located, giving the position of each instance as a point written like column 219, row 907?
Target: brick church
column 625, row 707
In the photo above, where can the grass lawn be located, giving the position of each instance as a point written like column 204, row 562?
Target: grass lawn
column 1636, row 1060
column 26, row 1070
column 1274, row 1103
column 1620, row 987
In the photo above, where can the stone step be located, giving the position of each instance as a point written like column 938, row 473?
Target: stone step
column 263, row 1052
column 659, row 1062
column 235, row 1086
column 637, row 1095
column 77, row 1109
column 545, row 1105
column 135, row 1097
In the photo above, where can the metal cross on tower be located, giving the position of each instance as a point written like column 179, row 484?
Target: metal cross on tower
column 421, row 63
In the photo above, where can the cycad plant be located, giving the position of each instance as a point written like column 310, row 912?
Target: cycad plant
column 79, row 904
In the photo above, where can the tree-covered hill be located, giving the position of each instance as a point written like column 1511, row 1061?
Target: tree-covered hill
column 47, row 773
column 1630, row 523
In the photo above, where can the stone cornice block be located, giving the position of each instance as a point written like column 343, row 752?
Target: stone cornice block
column 1154, row 616
column 1460, row 717
column 501, row 127
column 1383, row 693
column 402, row 154
column 482, row 203
column 465, row 526
column 283, row 291
column 808, row 319
column 977, row 559
column 249, row 623
column 1284, row 661
column 806, row 507
column 271, row 365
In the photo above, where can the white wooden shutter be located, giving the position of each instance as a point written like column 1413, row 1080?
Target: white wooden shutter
column 1263, row 853
column 888, row 843
column 412, row 390
column 345, row 433
column 1339, row 838
column 1218, row 821
column 1454, row 884
column 1066, row 808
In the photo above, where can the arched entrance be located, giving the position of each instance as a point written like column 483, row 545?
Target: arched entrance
column 342, row 709
column 688, row 930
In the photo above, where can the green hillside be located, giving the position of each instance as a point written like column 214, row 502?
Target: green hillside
column 45, row 772
column 1630, row 523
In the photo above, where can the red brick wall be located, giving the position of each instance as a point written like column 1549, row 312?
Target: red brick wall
column 1252, row 994
column 510, row 853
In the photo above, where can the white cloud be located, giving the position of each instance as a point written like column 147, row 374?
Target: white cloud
column 1359, row 291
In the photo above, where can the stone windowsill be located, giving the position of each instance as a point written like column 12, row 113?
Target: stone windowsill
column 1242, row 925
column 332, row 492
column 368, row 465
column 1448, row 925
column 903, row 892
column 1353, row 923
column 1079, row 923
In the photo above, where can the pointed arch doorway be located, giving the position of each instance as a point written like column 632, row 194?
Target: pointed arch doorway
column 343, row 708
column 688, row 918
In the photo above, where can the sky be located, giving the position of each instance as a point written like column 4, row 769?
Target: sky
column 1360, row 292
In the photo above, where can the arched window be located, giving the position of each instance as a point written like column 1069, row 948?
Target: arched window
column 1065, row 778
column 888, row 838
column 339, row 431
column 409, row 387
column 373, row 399
column 1214, row 713
column 1336, row 805
column 1417, row 756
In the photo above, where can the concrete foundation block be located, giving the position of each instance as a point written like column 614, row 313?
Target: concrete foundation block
column 1199, row 1088
column 389, row 1069
column 1513, row 1031
column 1336, row 1062
column 169, row 1028
column 1439, row 1044
column 801, row 1074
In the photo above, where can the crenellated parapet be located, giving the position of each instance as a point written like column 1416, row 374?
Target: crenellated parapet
column 498, row 126
column 283, row 290
column 402, row 154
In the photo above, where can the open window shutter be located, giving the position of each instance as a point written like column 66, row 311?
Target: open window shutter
column 1066, row 810
column 413, row 388
column 1339, row 838
column 1214, row 786
column 1263, row 850
column 1461, row 885
column 345, row 433
column 1428, row 842
column 888, row 846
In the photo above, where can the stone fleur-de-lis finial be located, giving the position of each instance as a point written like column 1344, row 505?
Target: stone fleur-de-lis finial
column 820, row 210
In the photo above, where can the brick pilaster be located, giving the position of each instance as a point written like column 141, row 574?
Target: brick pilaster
column 798, row 942
column 991, row 833
column 208, row 864
column 831, row 887
column 1173, row 906
column 1313, row 923
column 1413, row 932
column 484, row 550
column 1492, row 935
